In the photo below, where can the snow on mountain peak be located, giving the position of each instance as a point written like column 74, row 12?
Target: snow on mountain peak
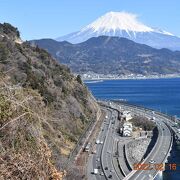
column 118, row 21
column 127, row 25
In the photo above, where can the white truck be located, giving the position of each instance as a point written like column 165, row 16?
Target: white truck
column 95, row 171
column 97, row 141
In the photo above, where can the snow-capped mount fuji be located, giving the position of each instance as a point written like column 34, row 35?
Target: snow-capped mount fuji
column 123, row 24
column 117, row 21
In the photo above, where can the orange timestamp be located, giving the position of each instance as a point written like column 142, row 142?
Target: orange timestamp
column 157, row 167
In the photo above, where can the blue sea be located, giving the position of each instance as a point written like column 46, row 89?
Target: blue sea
column 160, row 94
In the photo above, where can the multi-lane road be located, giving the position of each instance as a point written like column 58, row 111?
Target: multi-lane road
column 160, row 151
column 103, row 159
column 158, row 154
column 109, row 157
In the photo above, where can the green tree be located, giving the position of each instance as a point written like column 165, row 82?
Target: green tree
column 78, row 78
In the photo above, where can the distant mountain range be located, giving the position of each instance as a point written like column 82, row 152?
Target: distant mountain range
column 122, row 24
column 112, row 55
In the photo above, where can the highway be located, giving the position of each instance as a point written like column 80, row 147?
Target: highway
column 158, row 154
column 160, row 151
column 175, row 127
column 105, row 159
column 113, row 166
column 107, row 151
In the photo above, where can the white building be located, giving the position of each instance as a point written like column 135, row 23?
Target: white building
column 126, row 115
column 127, row 129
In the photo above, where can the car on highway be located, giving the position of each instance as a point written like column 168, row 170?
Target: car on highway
column 95, row 171
column 87, row 148
column 110, row 176
column 98, row 159
column 97, row 141
column 152, row 161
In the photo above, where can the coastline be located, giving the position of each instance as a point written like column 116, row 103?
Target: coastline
column 127, row 78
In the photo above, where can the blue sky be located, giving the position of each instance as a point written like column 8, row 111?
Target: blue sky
column 52, row 18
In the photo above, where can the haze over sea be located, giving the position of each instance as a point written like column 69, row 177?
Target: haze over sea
column 159, row 94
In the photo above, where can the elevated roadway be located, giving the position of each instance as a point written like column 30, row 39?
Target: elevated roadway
column 113, row 166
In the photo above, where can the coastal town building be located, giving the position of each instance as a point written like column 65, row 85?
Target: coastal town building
column 126, row 115
column 127, row 129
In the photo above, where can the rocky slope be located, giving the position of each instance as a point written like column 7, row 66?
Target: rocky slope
column 137, row 149
column 113, row 55
column 43, row 110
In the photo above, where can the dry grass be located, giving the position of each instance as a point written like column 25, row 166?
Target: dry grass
column 24, row 153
